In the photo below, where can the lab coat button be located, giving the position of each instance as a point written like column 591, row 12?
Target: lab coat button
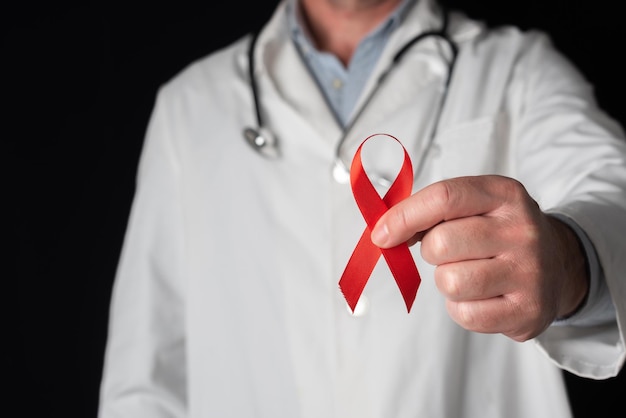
column 341, row 173
column 361, row 308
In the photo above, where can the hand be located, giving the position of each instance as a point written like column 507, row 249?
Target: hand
column 502, row 264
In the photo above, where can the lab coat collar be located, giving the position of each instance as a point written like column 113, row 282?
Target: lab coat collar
column 293, row 92
column 285, row 81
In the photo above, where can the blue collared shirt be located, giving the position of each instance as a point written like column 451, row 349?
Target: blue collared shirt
column 342, row 86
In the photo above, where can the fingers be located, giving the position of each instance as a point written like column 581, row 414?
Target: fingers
column 473, row 280
column 493, row 248
column 468, row 238
column 488, row 296
column 498, row 315
column 442, row 201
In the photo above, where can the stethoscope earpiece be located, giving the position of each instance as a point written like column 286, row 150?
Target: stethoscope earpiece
column 262, row 141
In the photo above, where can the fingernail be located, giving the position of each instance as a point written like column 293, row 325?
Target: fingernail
column 380, row 235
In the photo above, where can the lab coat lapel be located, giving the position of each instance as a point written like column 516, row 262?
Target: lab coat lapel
column 291, row 97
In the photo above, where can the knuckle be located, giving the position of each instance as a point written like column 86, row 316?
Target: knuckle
column 398, row 220
column 448, row 281
column 435, row 245
column 466, row 316
column 515, row 188
column 402, row 218
column 531, row 233
column 527, row 318
column 442, row 195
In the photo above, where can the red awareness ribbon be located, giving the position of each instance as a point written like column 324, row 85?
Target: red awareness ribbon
column 366, row 254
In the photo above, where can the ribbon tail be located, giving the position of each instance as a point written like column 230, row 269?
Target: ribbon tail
column 359, row 268
column 404, row 271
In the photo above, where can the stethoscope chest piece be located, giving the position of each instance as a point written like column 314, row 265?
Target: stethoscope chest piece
column 262, row 141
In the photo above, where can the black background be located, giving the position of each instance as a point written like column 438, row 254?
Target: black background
column 78, row 85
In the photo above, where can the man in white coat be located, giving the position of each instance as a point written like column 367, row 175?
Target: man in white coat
column 226, row 302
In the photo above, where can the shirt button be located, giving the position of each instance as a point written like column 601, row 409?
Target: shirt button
column 361, row 308
column 337, row 84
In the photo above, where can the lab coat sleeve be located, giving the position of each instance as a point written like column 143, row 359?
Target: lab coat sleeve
column 572, row 158
column 144, row 369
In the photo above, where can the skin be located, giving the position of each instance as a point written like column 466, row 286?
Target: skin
column 502, row 264
column 337, row 26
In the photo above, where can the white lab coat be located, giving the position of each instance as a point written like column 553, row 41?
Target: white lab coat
column 226, row 302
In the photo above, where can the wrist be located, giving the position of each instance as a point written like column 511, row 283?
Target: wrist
column 571, row 255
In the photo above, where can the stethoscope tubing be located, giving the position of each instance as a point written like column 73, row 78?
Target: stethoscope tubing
column 259, row 138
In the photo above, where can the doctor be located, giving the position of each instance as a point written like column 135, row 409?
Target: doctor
column 226, row 302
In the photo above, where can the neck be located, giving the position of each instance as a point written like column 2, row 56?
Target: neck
column 337, row 26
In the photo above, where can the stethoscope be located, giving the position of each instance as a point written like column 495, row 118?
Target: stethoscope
column 265, row 142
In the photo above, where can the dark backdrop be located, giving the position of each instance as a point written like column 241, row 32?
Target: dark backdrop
column 78, row 84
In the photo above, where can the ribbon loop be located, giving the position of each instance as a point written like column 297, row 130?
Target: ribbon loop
column 366, row 254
